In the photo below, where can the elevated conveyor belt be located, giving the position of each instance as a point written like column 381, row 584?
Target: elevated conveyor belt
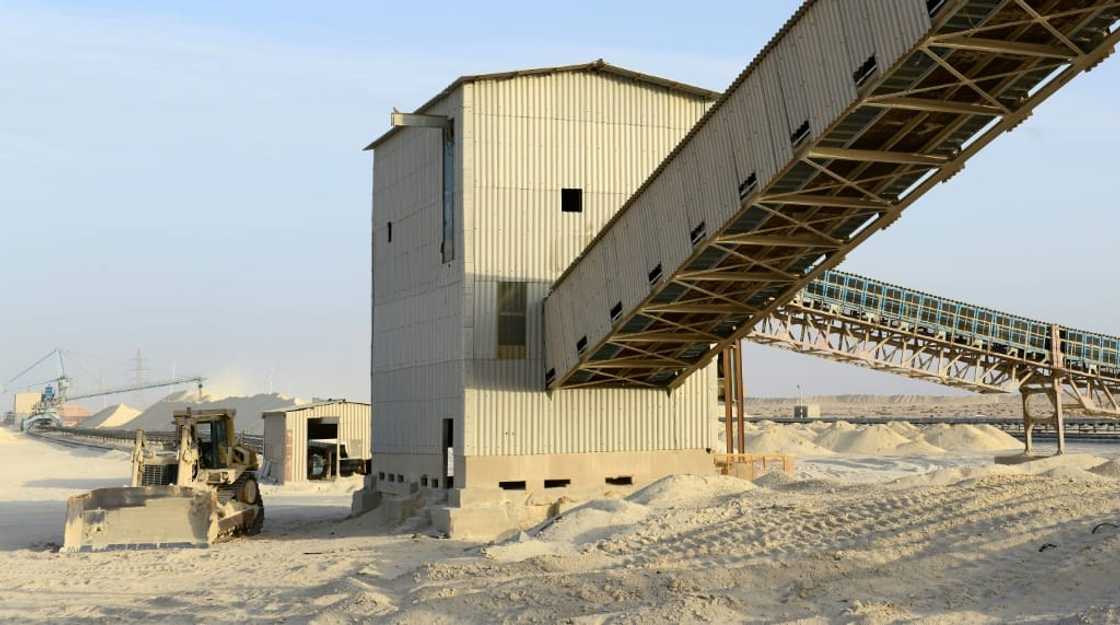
column 849, row 115
column 858, row 320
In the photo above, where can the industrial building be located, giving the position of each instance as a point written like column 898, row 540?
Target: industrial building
column 479, row 203
column 320, row 440
column 560, row 254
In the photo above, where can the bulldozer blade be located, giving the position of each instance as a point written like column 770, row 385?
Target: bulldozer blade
column 142, row 517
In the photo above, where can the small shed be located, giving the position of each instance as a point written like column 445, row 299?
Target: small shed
column 317, row 441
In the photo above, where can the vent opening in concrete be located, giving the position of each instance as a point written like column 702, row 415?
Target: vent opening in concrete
column 865, row 71
column 400, row 478
column 556, row 483
column 516, row 485
column 748, row 186
column 655, row 274
column 616, row 312
column 381, row 475
column 390, row 229
column 621, row 480
column 423, row 480
column 571, row 200
column 435, row 482
column 800, row 135
column 392, row 478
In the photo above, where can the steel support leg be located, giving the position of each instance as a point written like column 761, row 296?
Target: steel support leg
column 740, row 400
column 1059, row 421
column 1028, row 425
column 728, row 373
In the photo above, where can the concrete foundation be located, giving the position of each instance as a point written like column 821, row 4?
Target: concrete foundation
column 506, row 494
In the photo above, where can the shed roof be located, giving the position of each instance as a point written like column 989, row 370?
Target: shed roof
column 312, row 406
column 598, row 65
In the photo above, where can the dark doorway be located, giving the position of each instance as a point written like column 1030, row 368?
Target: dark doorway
column 448, row 453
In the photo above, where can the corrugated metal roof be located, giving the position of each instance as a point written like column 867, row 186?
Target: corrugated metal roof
column 598, row 65
column 312, row 406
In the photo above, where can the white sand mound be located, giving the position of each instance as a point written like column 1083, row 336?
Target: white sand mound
column 774, row 479
column 114, row 416
column 917, row 448
column 968, row 438
column 1074, row 473
column 945, row 477
column 1108, row 469
column 688, row 490
column 596, row 520
column 873, row 439
column 158, row 417
column 782, row 440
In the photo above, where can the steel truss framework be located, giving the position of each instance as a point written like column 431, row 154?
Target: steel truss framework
column 919, row 353
column 986, row 65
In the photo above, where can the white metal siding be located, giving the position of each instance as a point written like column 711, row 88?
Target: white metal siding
column 418, row 334
column 535, row 135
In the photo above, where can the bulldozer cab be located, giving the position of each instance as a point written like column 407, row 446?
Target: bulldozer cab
column 211, row 433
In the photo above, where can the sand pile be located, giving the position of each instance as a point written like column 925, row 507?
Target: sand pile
column 158, row 417
column 870, row 440
column 686, row 490
column 823, row 438
column 1073, row 467
column 1108, row 469
column 114, row 416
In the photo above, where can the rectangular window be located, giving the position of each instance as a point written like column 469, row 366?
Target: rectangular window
column 447, row 245
column 571, row 200
column 512, row 305
column 390, row 231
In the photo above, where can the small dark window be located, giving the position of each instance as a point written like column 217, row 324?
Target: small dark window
column 518, row 485
column 556, row 483
column 423, row 480
column 655, row 274
column 390, row 232
column 512, row 305
column 622, row 480
column 435, row 482
column 549, row 376
column 381, row 475
column 400, row 478
column 392, row 478
column 748, row 186
column 699, row 233
column 571, row 200
column 616, row 312
column 800, row 135
column 865, row 71
column 581, row 345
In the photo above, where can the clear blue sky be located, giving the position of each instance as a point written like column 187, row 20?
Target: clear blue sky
column 186, row 178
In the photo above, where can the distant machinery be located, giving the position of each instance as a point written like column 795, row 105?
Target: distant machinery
column 56, row 392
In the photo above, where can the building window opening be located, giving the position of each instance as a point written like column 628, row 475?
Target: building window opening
column 655, row 274
column 571, row 200
column 581, row 346
column 390, row 229
column 800, row 135
column 616, row 312
column 512, row 306
column 622, row 480
column 748, row 186
column 516, row 485
column 557, row 483
column 865, row 71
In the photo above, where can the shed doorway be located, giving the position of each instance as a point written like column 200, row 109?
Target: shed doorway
column 324, row 450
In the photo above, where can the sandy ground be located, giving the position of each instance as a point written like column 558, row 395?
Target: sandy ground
column 864, row 539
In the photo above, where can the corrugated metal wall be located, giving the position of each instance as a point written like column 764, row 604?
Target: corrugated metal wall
column 353, row 431
column 533, row 136
column 417, row 359
column 805, row 76
column 274, row 426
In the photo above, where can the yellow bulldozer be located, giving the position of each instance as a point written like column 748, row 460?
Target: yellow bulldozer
column 199, row 490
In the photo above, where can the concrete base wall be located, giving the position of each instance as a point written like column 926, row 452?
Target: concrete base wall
column 483, row 510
